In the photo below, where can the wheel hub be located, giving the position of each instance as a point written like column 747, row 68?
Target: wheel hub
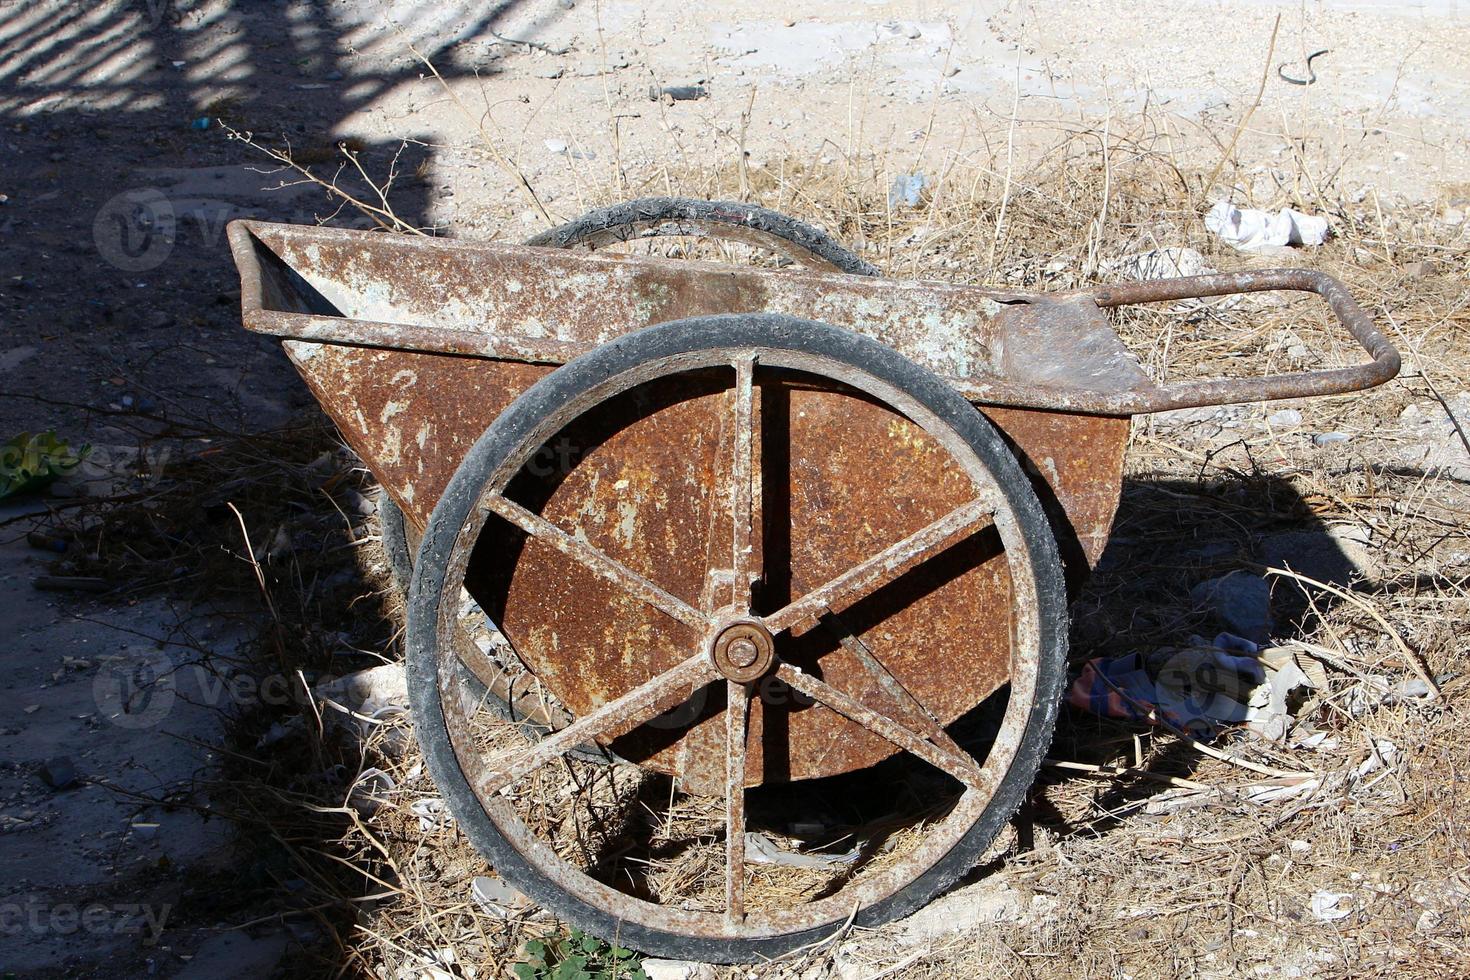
column 743, row 650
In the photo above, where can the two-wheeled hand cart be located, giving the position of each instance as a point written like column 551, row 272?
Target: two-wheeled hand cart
column 740, row 609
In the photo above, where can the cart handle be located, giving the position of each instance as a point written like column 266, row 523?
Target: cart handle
column 1193, row 394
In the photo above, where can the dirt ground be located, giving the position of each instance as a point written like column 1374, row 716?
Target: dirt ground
column 176, row 847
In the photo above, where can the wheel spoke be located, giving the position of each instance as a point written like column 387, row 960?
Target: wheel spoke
column 737, row 712
column 744, row 478
column 865, row 578
column 921, row 717
column 960, row 767
column 647, row 700
column 607, row 567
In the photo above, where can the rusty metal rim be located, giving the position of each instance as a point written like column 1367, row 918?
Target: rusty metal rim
column 1021, row 710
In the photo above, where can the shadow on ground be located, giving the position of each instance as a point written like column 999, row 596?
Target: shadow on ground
column 119, row 305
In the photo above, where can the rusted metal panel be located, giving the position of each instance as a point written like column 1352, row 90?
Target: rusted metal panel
column 410, row 416
column 639, row 487
column 1076, row 465
column 539, row 305
column 844, row 478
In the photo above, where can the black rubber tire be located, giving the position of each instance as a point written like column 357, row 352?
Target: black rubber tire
column 621, row 222
column 395, row 542
column 612, row 359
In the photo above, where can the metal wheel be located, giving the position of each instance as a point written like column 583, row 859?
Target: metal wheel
column 777, row 568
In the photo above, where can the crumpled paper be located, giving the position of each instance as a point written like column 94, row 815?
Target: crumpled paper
column 1249, row 229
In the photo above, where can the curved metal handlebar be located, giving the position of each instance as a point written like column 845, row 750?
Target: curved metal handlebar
column 1193, row 394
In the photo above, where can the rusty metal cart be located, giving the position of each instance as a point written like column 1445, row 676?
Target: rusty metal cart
column 767, row 564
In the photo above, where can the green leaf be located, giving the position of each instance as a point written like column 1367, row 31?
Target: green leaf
column 30, row 462
column 525, row 971
column 571, row 968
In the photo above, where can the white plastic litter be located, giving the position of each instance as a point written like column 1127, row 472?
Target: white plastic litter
column 906, row 189
column 1248, row 228
column 760, row 849
column 495, row 897
column 432, row 813
column 1329, row 906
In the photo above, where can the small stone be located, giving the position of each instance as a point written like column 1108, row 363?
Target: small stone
column 555, row 146
column 1329, row 906
column 1329, row 438
column 1337, row 555
column 982, row 904
column 1431, row 439
column 59, row 773
column 333, row 76
column 356, row 503
column 1453, row 217
column 235, row 954
column 951, row 71
column 1164, row 263
column 370, row 791
column 677, row 970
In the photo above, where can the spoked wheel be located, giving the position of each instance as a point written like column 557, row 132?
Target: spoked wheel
column 704, row 225
column 802, row 590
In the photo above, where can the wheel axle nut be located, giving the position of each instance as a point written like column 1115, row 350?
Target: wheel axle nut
column 743, row 650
